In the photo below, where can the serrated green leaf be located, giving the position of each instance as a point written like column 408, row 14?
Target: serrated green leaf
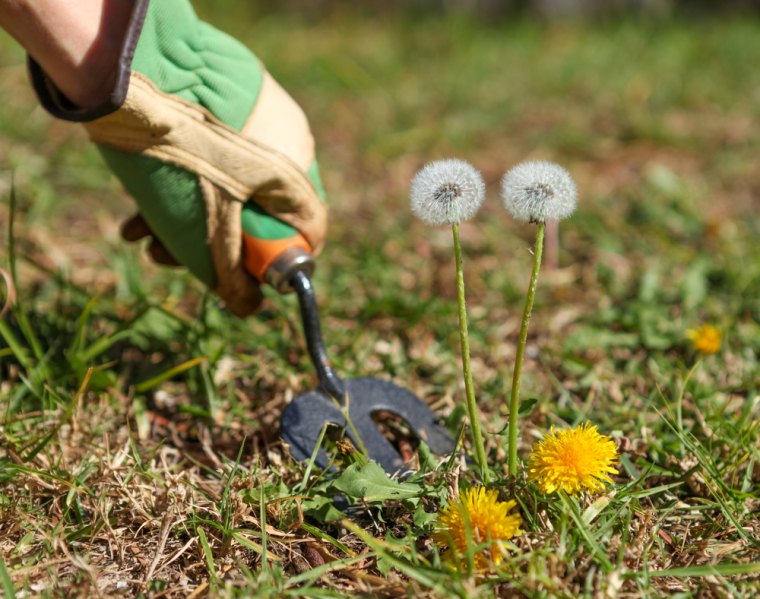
column 384, row 565
column 423, row 519
column 271, row 492
column 322, row 509
column 370, row 482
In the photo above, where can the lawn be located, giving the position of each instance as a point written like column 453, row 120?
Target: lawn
column 139, row 441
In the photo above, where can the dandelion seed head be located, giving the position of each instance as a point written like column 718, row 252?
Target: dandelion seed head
column 447, row 192
column 573, row 460
column 475, row 518
column 538, row 191
column 705, row 339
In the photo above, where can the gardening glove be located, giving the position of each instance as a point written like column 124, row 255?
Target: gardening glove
column 209, row 145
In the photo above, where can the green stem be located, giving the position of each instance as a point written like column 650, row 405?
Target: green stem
column 514, row 401
column 472, row 408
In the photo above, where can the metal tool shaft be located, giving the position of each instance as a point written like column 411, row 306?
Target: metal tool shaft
column 329, row 381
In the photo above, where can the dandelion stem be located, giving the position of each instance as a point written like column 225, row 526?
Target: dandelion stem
column 514, row 400
column 472, row 408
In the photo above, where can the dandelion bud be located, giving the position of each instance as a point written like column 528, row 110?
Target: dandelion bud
column 539, row 191
column 447, row 192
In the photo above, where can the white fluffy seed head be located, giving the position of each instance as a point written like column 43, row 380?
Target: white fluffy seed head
column 447, row 192
column 539, row 191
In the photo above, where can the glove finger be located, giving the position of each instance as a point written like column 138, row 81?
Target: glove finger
column 239, row 290
column 160, row 254
column 135, row 228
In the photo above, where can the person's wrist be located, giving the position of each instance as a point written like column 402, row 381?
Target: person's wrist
column 77, row 44
column 95, row 77
column 92, row 77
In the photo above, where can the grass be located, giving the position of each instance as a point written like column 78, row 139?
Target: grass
column 139, row 448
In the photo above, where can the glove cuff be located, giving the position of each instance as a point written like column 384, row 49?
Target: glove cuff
column 59, row 106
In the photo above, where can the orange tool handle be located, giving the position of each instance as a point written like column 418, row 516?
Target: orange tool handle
column 273, row 250
column 260, row 254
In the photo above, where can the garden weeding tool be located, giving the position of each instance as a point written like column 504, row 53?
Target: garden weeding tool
column 280, row 256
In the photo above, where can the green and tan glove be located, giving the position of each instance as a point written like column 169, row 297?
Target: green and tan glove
column 213, row 150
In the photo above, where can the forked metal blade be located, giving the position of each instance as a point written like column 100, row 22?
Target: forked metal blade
column 304, row 417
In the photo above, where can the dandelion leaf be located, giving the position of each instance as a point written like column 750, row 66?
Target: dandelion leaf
column 322, row 508
column 370, row 482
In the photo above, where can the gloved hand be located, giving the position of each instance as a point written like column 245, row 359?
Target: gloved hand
column 200, row 135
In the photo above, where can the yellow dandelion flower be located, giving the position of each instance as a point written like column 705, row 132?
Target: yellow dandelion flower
column 573, row 460
column 479, row 512
column 705, row 339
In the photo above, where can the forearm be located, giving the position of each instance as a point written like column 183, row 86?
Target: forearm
column 76, row 42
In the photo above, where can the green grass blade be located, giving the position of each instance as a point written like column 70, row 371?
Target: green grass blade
column 5, row 578
column 172, row 372
column 14, row 345
column 319, row 571
column 709, row 570
column 43, row 474
column 312, row 459
column 208, row 555
column 101, row 345
column 321, row 534
column 263, row 522
column 79, row 335
column 246, row 542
